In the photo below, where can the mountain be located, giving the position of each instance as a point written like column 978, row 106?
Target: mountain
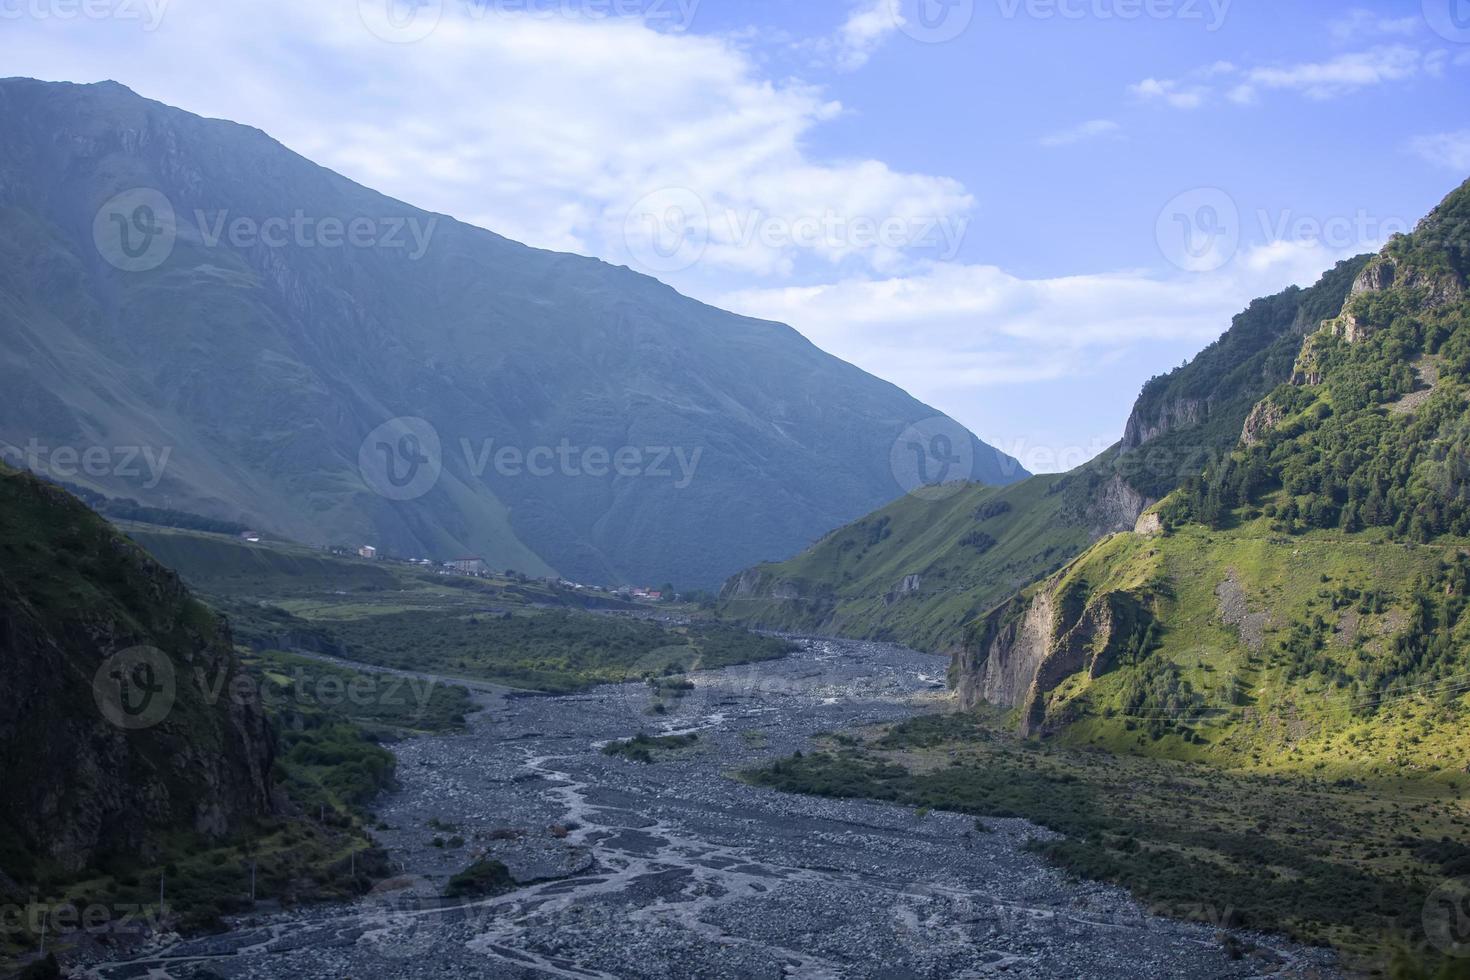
column 196, row 318
column 920, row 570
column 112, row 743
column 1306, row 596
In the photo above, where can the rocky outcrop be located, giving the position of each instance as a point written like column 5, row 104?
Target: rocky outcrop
column 1114, row 506
column 1264, row 417
column 909, row 586
column 1180, row 413
column 124, row 722
column 1376, row 276
column 757, row 583
column 1433, row 289
column 1017, row 655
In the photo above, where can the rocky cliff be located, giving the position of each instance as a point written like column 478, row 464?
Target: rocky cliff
column 1019, row 653
column 124, row 719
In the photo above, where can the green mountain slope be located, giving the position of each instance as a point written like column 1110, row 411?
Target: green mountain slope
column 920, row 569
column 264, row 363
column 111, row 740
column 1303, row 601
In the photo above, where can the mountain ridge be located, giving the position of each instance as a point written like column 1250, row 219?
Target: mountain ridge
column 219, row 351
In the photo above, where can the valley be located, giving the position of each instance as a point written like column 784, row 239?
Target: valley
column 623, row 868
column 468, row 606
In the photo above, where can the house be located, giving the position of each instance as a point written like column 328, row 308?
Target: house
column 367, row 551
column 468, row 566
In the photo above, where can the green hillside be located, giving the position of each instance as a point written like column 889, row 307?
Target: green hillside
column 919, row 570
column 137, row 747
column 1304, row 600
column 1251, row 708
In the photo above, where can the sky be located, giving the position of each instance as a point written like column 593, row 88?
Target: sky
column 1017, row 210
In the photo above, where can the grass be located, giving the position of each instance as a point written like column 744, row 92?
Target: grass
column 1328, row 861
column 1257, row 704
column 642, row 748
column 553, row 651
column 483, row 878
column 527, row 634
column 385, row 704
column 847, row 582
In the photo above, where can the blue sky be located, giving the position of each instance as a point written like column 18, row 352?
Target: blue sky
column 1018, row 210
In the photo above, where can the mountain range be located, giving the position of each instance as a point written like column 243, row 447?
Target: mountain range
column 196, row 318
column 1270, row 568
column 921, row 569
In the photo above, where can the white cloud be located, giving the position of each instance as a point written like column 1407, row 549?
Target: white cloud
column 950, row 328
column 1090, row 130
column 1338, row 76
column 547, row 129
column 1342, row 75
column 1451, row 150
column 1360, row 23
column 1177, row 94
column 866, row 28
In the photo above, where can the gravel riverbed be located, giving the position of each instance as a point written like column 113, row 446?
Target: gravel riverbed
column 675, row 870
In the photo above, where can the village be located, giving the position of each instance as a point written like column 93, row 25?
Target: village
column 476, row 567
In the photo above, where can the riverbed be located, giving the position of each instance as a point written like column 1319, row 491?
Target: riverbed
column 676, row 869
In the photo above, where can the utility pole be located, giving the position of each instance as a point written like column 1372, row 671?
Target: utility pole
column 252, row 881
column 44, row 916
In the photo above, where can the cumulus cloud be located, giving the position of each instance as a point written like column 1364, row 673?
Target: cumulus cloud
column 865, row 29
column 1091, row 130
column 546, row 128
column 554, row 129
column 950, row 329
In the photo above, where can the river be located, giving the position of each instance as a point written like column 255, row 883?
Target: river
column 675, row 870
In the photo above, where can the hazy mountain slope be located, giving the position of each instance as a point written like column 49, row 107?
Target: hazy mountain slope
column 111, row 741
column 264, row 364
column 1305, row 599
column 919, row 570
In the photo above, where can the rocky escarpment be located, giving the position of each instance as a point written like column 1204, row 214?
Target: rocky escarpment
column 1264, row 417
column 1018, row 654
column 1432, row 289
column 1114, row 506
column 758, row 583
column 125, row 718
column 1146, row 424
